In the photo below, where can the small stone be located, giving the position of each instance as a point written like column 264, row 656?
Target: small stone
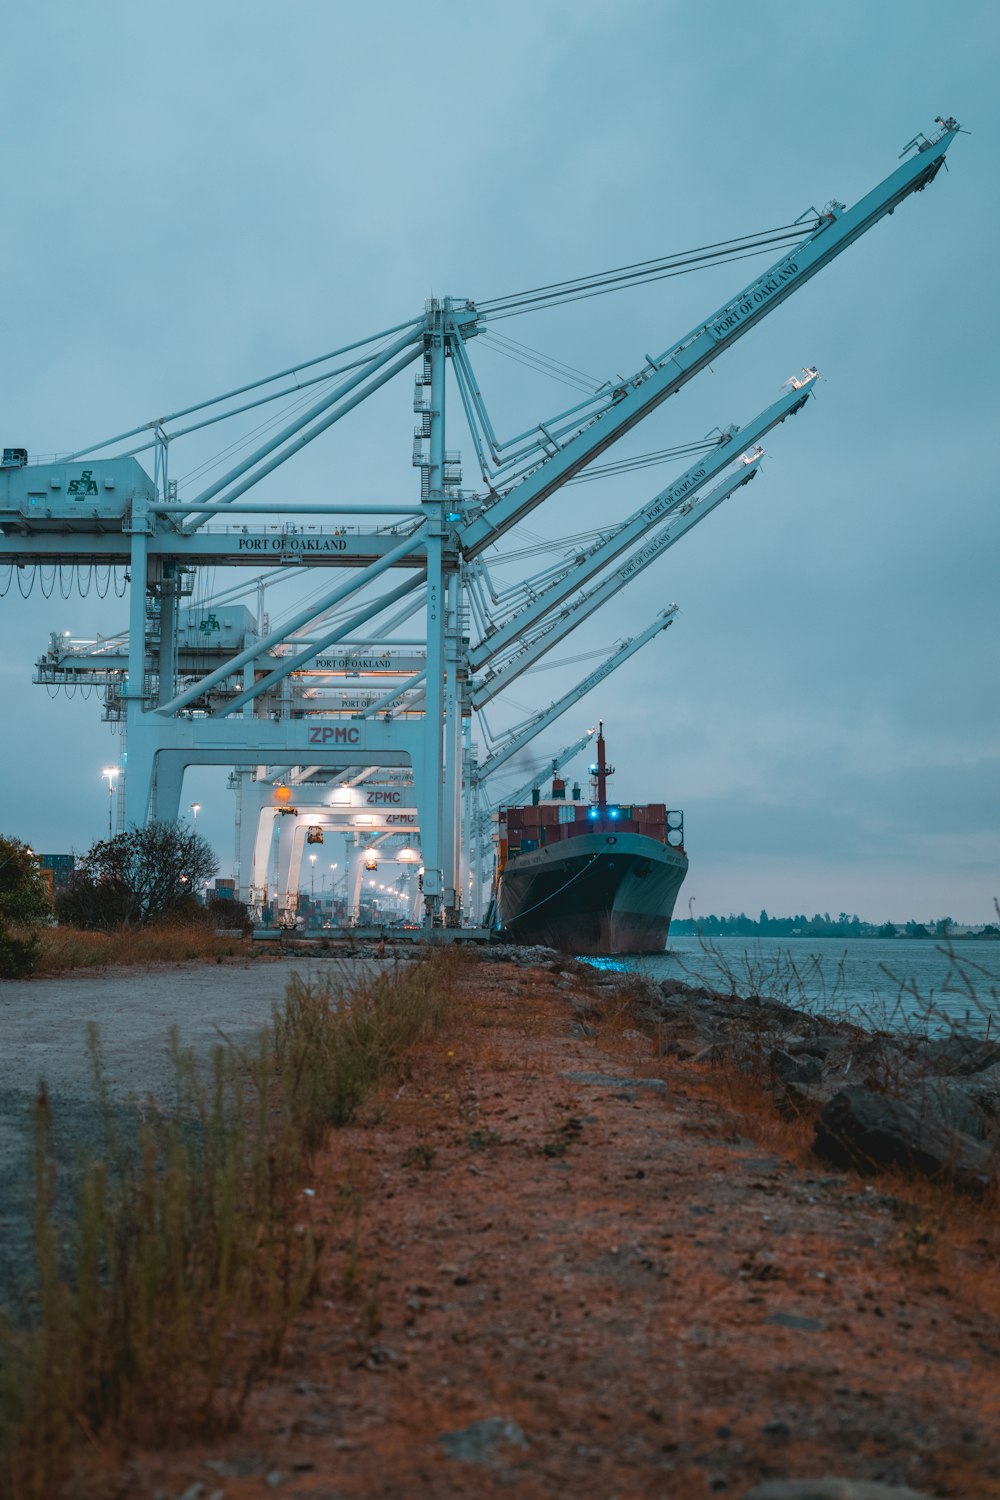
column 479, row 1442
column 831, row 1489
column 795, row 1320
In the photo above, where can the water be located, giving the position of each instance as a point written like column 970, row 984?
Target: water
column 883, row 982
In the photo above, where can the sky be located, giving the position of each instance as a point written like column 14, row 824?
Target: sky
column 193, row 204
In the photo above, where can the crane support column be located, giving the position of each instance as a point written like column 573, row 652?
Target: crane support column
column 431, row 789
column 452, row 783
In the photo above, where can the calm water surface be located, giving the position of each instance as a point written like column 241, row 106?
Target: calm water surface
column 878, row 981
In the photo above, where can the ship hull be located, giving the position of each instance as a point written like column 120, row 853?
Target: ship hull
column 593, row 894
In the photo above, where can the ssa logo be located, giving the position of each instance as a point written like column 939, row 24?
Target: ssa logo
column 85, row 485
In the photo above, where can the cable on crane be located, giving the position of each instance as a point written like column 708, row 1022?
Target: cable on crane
column 220, row 456
column 503, row 338
column 719, row 252
column 644, row 461
column 568, row 661
column 540, row 364
column 253, row 385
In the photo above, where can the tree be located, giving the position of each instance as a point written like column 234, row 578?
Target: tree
column 24, row 904
column 143, row 875
column 23, row 897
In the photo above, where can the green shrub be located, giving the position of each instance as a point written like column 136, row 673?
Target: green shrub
column 19, row 952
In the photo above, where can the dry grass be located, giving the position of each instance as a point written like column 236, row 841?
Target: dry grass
column 195, row 1232
column 66, row 948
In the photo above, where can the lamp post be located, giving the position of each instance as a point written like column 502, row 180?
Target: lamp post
column 195, row 810
column 312, row 877
column 110, row 772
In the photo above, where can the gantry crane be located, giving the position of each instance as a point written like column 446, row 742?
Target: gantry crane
column 96, row 511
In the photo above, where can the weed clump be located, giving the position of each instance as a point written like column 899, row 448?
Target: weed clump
column 187, row 1231
column 336, row 1041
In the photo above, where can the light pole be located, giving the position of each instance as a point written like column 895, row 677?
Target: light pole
column 110, row 772
column 195, row 810
column 312, row 876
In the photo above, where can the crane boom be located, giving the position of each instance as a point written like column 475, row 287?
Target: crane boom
column 497, row 681
column 548, row 716
column 661, row 377
column 554, row 765
column 679, row 493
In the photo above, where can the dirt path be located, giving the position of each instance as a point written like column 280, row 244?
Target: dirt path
column 570, row 1274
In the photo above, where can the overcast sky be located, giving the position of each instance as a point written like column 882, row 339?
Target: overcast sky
column 198, row 196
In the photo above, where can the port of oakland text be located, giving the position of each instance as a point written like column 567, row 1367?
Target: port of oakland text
column 292, row 544
column 354, row 663
column 754, row 299
column 676, row 492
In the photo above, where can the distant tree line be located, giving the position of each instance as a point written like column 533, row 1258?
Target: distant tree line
column 820, row 925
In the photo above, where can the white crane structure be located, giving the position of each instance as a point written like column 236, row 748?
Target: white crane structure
column 332, row 702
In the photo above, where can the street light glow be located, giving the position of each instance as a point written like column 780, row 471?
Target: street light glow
column 110, row 772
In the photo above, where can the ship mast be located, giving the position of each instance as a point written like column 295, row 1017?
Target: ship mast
column 601, row 771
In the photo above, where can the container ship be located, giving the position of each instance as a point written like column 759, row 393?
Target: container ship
column 589, row 876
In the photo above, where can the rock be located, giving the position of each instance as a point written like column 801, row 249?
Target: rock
column 958, row 1056
column 584, row 1010
column 832, row 1489
column 796, row 1320
column 813, row 1046
column 983, row 1089
column 715, row 1052
column 478, row 1443
column 951, row 1102
column 611, row 1080
column 865, row 1130
column 806, row 1098
column 791, row 1069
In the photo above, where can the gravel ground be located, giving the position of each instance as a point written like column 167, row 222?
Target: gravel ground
column 43, row 1036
